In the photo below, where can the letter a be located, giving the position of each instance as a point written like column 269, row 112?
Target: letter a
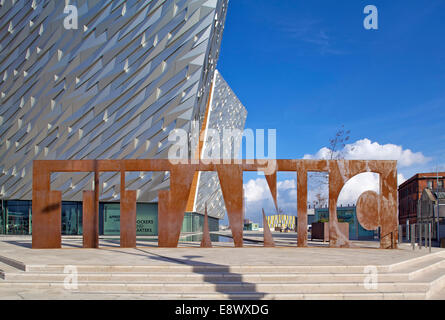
column 371, row 20
column 70, row 22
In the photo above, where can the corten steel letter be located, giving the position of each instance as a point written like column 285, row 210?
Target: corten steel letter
column 337, row 180
column 128, row 214
column 163, row 218
column 172, row 204
column 302, row 206
column 128, row 219
column 90, row 229
column 231, row 181
column 205, row 241
column 373, row 210
column 47, row 215
column 46, row 210
column 272, row 183
column 340, row 171
column 388, row 205
column 268, row 239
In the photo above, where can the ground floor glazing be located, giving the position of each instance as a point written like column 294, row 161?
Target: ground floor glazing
column 16, row 219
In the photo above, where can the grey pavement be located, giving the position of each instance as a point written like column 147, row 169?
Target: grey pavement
column 222, row 272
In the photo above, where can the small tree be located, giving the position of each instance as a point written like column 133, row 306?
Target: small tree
column 336, row 151
column 338, row 143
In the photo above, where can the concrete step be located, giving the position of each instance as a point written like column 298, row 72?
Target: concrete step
column 206, row 277
column 419, row 278
column 227, row 274
column 65, row 295
column 438, row 295
column 425, row 286
column 5, row 268
column 416, row 263
column 405, row 266
column 435, row 278
column 224, row 287
column 258, row 296
column 213, row 269
column 197, row 269
column 7, row 263
column 420, row 266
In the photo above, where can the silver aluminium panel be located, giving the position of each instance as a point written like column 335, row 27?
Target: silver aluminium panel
column 112, row 89
column 226, row 112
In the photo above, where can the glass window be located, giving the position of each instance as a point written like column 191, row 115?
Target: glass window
column 440, row 184
column 71, row 218
column 112, row 218
column 430, row 184
column 146, row 219
column 187, row 224
column 2, row 218
column 18, row 217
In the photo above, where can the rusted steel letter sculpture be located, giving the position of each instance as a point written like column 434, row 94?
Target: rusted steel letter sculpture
column 373, row 210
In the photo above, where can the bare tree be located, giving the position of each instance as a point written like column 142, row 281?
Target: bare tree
column 321, row 199
column 320, row 180
column 338, row 143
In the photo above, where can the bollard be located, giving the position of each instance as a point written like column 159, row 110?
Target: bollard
column 425, row 234
column 400, row 234
column 407, row 230
column 429, row 234
column 419, row 227
column 413, row 236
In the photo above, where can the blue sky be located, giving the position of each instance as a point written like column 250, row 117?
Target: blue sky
column 307, row 67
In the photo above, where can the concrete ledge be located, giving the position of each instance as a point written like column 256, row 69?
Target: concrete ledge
column 13, row 263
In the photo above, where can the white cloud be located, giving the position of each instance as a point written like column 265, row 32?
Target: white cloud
column 359, row 184
column 365, row 149
column 258, row 196
column 356, row 186
column 256, row 190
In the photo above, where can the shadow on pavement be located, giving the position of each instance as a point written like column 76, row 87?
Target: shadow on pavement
column 211, row 274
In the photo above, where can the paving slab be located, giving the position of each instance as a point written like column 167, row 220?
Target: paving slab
column 252, row 272
column 20, row 251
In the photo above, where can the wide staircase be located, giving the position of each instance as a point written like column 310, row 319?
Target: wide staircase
column 419, row 278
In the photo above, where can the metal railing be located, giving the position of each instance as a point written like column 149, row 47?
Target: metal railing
column 419, row 233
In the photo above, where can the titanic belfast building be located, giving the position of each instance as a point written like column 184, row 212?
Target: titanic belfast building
column 109, row 80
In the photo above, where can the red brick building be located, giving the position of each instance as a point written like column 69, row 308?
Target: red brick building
column 411, row 191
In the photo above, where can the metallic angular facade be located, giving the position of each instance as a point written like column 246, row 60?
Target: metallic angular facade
column 226, row 113
column 112, row 89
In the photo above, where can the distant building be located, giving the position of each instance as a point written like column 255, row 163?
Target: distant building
column 346, row 214
column 410, row 193
column 250, row 226
column 310, row 215
column 114, row 89
column 281, row 221
column 432, row 210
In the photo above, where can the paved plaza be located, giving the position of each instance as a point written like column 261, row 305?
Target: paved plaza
column 221, row 272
